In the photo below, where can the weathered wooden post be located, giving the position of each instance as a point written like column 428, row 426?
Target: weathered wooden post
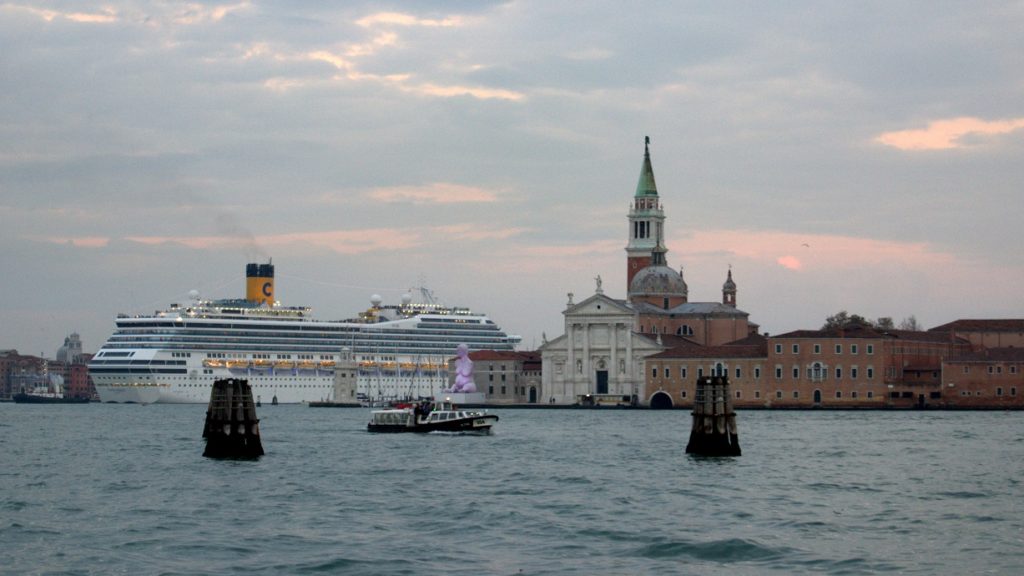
column 714, row 422
column 232, row 429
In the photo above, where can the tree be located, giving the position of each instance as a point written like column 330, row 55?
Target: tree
column 885, row 323
column 910, row 323
column 842, row 318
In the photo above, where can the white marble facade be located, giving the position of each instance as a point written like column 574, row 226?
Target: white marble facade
column 599, row 353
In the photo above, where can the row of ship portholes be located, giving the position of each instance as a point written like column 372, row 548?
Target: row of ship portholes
column 276, row 385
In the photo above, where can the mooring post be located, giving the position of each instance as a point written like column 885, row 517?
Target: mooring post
column 232, row 429
column 714, row 423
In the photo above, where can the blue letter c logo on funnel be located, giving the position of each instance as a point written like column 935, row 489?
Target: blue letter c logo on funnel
column 266, row 290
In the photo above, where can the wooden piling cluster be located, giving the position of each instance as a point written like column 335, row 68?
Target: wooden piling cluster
column 232, row 429
column 714, row 421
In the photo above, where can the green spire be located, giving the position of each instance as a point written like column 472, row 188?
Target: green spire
column 646, row 185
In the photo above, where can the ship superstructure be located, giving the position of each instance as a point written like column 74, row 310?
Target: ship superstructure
column 174, row 355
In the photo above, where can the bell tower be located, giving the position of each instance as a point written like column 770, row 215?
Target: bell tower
column 646, row 221
column 729, row 291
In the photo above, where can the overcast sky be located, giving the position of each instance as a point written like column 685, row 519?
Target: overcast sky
column 859, row 156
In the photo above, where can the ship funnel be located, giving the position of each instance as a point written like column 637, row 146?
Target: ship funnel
column 259, row 283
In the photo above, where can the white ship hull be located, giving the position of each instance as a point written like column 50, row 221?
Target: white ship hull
column 288, row 388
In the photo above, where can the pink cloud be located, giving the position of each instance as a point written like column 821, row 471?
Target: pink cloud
column 341, row 241
column 947, row 134
column 803, row 251
column 437, row 193
column 80, row 241
column 790, row 262
column 475, row 232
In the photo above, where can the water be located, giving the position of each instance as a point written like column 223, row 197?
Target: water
column 113, row 489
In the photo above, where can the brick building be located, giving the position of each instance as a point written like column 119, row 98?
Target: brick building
column 852, row 367
column 990, row 378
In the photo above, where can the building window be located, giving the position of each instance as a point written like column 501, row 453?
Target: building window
column 999, row 369
column 817, row 373
column 654, row 372
column 666, row 371
column 700, row 372
column 990, row 369
column 1013, row 390
column 738, row 394
column 1013, row 369
column 871, row 349
column 778, row 372
column 853, row 372
column 720, row 370
column 490, row 389
column 967, row 369
column 853, row 394
column 871, row 372
column 757, row 372
column 778, row 394
column 502, row 389
column 817, row 348
column 853, row 348
column 796, row 348
column 839, row 394
column 490, row 377
column 778, row 348
column 739, row 372
column 796, row 393
column 871, row 394
column 682, row 393
column 757, row 393
column 839, row 348
column 682, row 372
column 796, row 372
column 999, row 390
column 839, row 372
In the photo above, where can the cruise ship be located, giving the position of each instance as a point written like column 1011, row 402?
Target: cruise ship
column 175, row 355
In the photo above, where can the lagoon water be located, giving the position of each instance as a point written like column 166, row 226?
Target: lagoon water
column 123, row 489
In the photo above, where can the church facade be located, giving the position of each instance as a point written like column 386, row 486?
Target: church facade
column 599, row 359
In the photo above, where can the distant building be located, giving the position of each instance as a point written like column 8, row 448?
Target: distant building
column 599, row 358
column 506, row 377
column 987, row 333
column 71, row 351
column 856, row 366
column 990, row 378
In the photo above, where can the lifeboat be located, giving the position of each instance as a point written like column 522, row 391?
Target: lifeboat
column 327, row 363
column 213, row 363
column 284, row 364
column 238, row 363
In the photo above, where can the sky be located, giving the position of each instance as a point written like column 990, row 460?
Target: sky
column 858, row 156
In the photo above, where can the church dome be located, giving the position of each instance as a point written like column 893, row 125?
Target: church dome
column 729, row 285
column 657, row 281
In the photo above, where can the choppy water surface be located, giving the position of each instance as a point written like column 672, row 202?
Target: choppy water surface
column 108, row 489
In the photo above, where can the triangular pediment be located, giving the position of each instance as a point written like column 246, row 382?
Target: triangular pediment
column 599, row 305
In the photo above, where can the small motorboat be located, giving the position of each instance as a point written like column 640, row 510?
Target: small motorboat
column 428, row 417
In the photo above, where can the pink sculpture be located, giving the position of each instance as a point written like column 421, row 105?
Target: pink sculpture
column 463, row 371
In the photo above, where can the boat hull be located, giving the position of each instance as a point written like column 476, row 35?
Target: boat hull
column 479, row 423
column 34, row 399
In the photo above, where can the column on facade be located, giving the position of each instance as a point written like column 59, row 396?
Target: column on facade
column 570, row 366
column 629, row 356
column 613, row 370
column 587, row 370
